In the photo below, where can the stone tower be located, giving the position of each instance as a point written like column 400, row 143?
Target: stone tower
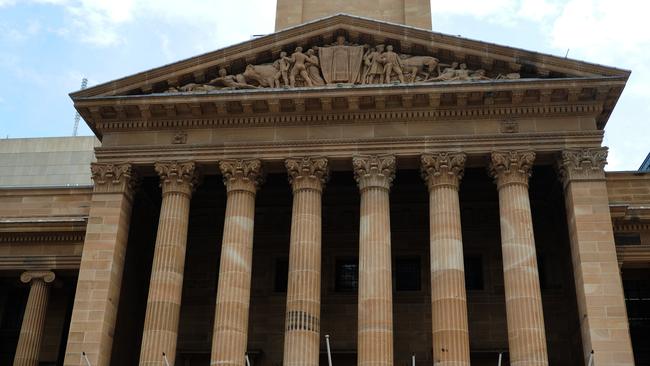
column 415, row 13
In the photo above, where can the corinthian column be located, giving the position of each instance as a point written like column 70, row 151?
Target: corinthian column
column 374, row 175
column 526, row 335
column 230, row 333
column 601, row 303
column 166, row 285
column 302, row 329
column 31, row 330
column 442, row 173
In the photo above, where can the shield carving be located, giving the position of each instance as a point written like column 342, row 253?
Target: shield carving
column 341, row 64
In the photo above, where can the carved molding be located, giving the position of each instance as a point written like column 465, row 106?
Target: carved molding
column 242, row 174
column 181, row 177
column 113, row 177
column 307, row 172
column 45, row 276
column 582, row 164
column 374, row 170
column 39, row 262
column 511, row 167
column 445, row 168
column 42, row 237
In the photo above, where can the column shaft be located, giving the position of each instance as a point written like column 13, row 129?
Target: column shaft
column 526, row 333
column 302, row 325
column 31, row 330
column 374, row 175
column 166, row 283
column 442, row 173
column 230, row 333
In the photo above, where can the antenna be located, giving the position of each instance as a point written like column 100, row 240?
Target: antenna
column 77, row 117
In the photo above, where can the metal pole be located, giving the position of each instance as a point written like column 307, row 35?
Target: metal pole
column 165, row 359
column 591, row 358
column 500, row 357
column 413, row 360
column 248, row 361
column 83, row 354
column 329, row 352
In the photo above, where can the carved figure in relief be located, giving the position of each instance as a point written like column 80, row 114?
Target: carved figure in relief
column 479, row 75
column 367, row 62
column 447, row 74
column 313, row 68
column 419, row 65
column 510, row 76
column 376, row 66
column 392, row 64
column 462, row 73
column 298, row 59
column 265, row 75
column 230, row 81
column 283, row 64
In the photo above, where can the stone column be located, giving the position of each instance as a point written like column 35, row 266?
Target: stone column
column 374, row 175
column 177, row 180
column 601, row 304
column 442, row 173
column 31, row 330
column 302, row 324
column 230, row 333
column 526, row 334
column 102, row 264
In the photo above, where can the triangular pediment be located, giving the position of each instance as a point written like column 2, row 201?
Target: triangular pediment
column 344, row 44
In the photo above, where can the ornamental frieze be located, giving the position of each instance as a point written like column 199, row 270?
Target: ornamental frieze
column 342, row 63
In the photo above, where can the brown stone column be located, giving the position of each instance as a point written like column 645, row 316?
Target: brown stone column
column 601, row 304
column 374, row 175
column 177, row 180
column 526, row 334
column 102, row 265
column 230, row 333
column 302, row 324
column 31, row 330
column 442, row 173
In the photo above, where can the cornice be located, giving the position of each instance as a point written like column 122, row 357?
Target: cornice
column 41, row 225
column 42, row 237
column 39, row 262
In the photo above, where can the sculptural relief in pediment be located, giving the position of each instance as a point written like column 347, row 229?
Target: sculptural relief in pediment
column 343, row 63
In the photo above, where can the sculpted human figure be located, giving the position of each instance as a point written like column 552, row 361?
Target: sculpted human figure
column 367, row 62
column 376, row 65
column 462, row 73
column 230, row 81
column 447, row 74
column 479, row 75
column 313, row 68
column 392, row 63
column 298, row 60
column 283, row 64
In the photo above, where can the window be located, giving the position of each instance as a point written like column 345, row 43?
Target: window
column 627, row 238
column 281, row 275
column 407, row 274
column 474, row 272
column 347, row 274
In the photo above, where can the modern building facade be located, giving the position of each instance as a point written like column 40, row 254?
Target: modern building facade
column 409, row 194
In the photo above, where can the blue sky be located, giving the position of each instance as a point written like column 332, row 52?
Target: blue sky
column 47, row 46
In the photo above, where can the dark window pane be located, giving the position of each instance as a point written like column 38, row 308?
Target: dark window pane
column 407, row 274
column 627, row 239
column 474, row 272
column 347, row 274
column 281, row 275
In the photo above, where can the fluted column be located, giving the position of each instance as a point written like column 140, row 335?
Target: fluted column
column 526, row 334
column 31, row 330
column 166, row 285
column 302, row 323
column 599, row 291
column 230, row 333
column 442, row 173
column 374, row 175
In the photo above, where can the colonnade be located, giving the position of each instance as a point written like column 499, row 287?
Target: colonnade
column 374, row 175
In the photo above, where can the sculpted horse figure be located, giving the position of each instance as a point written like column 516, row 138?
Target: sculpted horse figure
column 419, row 65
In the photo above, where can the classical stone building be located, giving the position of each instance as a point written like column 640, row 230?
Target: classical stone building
column 411, row 195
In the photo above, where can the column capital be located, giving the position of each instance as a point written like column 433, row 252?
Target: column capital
column 511, row 167
column 242, row 174
column 177, row 176
column 45, row 276
column 443, row 169
column 307, row 172
column 113, row 178
column 582, row 164
column 374, row 170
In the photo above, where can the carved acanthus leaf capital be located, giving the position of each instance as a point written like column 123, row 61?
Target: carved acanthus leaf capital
column 375, row 170
column 511, row 166
column 443, row 168
column 243, row 174
column 113, row 178
column 582, row 164
column 177, row 176
column 310, row 172
column 45, row 276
